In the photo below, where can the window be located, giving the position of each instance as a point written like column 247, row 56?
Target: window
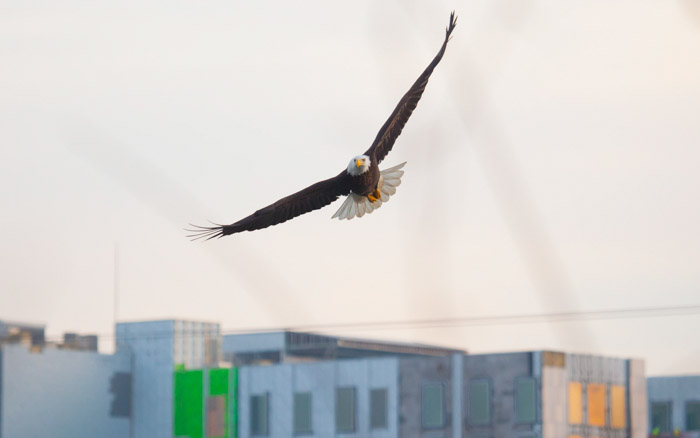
column 378, row 409
column 433, row 406
column 618, row 408
column 526, row 400
column 302, row 413
column 692, row 415
column 259, row 415
column 575, row 405
column 345, row 410
column 479, row 402
column 596, row 404
column 661, row 416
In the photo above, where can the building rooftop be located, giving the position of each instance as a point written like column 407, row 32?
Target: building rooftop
column 28, row 333
column 291, row 346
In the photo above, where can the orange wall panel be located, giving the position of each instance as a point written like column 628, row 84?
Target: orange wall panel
column 618, row 409
column 596, row 404
column 575, row 407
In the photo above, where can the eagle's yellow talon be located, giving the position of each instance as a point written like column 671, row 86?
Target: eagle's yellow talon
column 375, row 196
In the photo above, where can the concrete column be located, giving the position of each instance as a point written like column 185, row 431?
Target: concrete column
column 457, row 385
column 638, row 404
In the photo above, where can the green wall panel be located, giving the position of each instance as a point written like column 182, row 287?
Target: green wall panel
column 188, row 403
column 218, row 381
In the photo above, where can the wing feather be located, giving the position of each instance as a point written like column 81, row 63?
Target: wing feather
column 311, row 198
column 389, row 132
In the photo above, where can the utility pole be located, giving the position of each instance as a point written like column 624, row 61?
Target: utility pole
column 116, row 285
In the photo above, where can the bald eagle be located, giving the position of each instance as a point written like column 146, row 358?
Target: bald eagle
column 365, row 186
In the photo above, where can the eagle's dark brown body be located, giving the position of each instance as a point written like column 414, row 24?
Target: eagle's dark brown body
column 325, row 192
column 367, row 182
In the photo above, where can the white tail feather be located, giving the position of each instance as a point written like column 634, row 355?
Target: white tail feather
column 387, row 189
column 356, row 205
column 361, row 209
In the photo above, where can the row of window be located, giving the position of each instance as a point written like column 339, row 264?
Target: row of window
column 433, row 407
column 661, row 416
column 479, row 393
column 345, row 411
column 596, row 404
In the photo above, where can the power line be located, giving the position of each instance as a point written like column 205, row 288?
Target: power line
column 621, row 313
column 492, row 320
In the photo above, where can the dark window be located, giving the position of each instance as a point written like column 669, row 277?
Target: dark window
column 692, row 415
column 120, row 387
column 479, row 402
column 661, row 416
column 302, row 413
column 259, row 415
column 345, row 410
column 433, row 406
column 378, row 409
column 526, row 400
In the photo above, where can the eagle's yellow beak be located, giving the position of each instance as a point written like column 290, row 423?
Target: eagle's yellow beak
column 359, row 162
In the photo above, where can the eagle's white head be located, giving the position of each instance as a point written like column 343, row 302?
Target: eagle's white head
column 359, row 165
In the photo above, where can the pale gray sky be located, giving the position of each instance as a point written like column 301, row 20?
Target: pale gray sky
column 552, row 166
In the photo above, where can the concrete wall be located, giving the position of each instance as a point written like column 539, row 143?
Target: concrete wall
column 151, row 344
column 502, row 372
column 677, row 390
column 413, row 374
column 59, row 393
column 321, row 379
column 554, row 398
column 638, row 408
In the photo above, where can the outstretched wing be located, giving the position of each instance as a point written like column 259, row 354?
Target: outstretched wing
column 397, row 120
column 311, row 198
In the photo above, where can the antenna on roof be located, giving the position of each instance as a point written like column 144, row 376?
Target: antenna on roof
column 116, row 285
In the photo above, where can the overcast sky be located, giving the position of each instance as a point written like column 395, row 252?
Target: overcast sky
column 552, row 166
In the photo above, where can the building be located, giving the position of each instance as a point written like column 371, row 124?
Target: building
column 294, row 346
column 674, row 405
column 521, row 395
column 32, row 335
column 51, row 392
column 74, row 341
column 158, row 348
column 575, row 395
column 206, row 400
column 167, row 380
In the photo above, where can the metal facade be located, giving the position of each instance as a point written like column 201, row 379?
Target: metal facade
column 321, row 379
column 157, row 347
column 60, row 393
column 676, row 391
